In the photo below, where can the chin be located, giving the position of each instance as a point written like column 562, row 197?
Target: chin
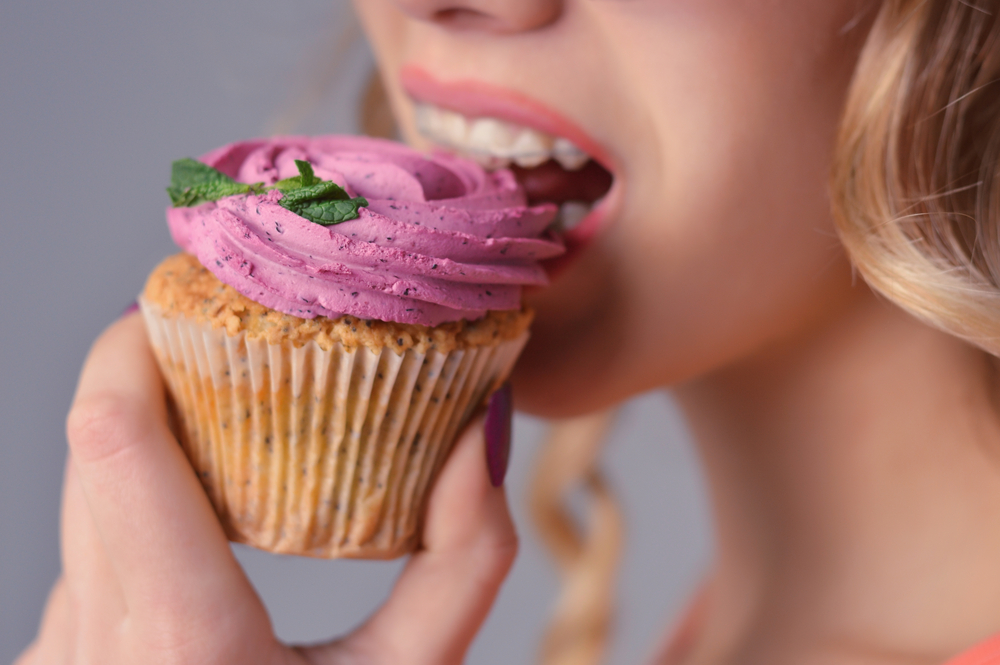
column 550, row 393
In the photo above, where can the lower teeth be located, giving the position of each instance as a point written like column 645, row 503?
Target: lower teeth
column 571, row 214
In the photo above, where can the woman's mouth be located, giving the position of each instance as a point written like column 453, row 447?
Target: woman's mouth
column 552, row 169
column 551, row 157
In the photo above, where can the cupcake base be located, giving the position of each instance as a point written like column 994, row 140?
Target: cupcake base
column 327, row 452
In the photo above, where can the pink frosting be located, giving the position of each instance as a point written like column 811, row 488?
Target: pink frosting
column 441, row 239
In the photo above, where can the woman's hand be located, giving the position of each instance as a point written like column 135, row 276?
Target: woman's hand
column 148, row 576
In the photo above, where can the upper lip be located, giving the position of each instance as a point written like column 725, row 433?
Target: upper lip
column 478, row 99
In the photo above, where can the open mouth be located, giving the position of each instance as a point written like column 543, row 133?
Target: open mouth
column 551, row 169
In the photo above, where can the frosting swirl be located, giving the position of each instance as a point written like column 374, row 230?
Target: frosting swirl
column 441, row 239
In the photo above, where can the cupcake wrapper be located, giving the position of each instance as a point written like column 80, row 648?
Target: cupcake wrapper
column 322, row 453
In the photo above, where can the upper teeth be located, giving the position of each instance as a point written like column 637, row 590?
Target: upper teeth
column 496, row 143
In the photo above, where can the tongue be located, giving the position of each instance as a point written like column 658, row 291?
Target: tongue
column 551, row 183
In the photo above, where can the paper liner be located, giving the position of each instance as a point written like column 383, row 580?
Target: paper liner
column 321, row 453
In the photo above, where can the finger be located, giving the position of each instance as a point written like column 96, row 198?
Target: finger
column 90, row 577
column 55, row 635
column 446, row 590
column 167, row 548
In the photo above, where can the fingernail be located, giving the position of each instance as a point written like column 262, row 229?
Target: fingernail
column 497, row 426
column 134, row 307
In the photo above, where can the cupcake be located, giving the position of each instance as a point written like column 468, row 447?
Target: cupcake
column 342, row 306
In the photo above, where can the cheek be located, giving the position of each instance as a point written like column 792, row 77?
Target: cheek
column 726, row 243
column 742, row 229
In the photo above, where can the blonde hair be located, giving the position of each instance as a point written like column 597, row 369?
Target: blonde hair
column 915, row 178
column 568, row 463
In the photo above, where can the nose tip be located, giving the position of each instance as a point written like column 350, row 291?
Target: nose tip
column 499, row 16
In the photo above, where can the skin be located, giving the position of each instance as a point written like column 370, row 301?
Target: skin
column 852, row 453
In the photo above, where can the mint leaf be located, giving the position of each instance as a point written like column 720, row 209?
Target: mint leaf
column 288, row 184
column 324, row 203
column 305, row 178
column 306, row 173
column 193, row 183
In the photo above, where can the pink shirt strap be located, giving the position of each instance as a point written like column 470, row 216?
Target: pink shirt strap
column 984, row 653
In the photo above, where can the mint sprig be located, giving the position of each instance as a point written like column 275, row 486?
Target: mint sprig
column 320, row 201
column 193, row 183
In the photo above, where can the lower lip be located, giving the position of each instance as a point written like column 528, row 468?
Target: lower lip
column 582, row 236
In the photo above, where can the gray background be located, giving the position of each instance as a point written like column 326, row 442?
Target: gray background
column 96, row 99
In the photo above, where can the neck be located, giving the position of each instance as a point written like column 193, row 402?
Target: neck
column 855, row 480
